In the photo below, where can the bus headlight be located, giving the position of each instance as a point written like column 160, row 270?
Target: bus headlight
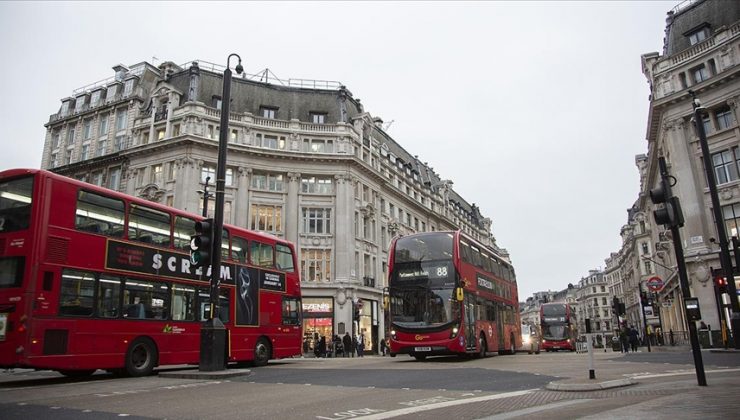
column 525, row 339
column 454, row 332
column 393, row 334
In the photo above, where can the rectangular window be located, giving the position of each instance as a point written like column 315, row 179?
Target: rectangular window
column 128, row 87
column 149, row 226
column 77, row 293
column 698, row 36
column 284, row 258
column 261, row 254
column 316, row 220
column 87, row 129
column 267, row 181
column 208, row 172
column 725, row 167
column 100, row 150
column 160, row 134
column 266, row 218
column 184, row 228
column 316, row 185
column 109, row 291
column 145, row 299
column 114, row 178
column 318, row 146
column 183, row 303
column 700, row 73
column 85, row 152
column 318, row 117
column 724, row 119
column 204, row 299
column 103, row 127
column 268, row 112
column 99, row 214
column 120, row 120
column 239, row 249
column 118, row 143
column 70, row 135
column 731, row 214
column 95, row 98
column 291, row 311
column 316, row 264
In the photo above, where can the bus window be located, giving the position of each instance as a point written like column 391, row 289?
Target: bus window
column 99, row 214
column 224, row 244
column 204, row 300
column 183, row 303
column 465, row 252
column 261, row 254
column 145, row 299
column 78, row 289
column 109, row 290
column 184, row 229
column 284, row 258
column 476, row 257
column 15, row 204
column 291, row 313
column 239, row 248
column 149, row 226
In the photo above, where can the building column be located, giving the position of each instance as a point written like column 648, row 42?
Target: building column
column 292, row 213
column 344, row 222
column 241, row 206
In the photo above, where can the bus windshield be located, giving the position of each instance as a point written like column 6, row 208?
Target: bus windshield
column 554, row 332
column 15, row 204
column 554, row 310
column 421, row 307
column 432, row 246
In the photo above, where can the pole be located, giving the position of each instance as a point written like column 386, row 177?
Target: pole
column 718, row 219
column 213, row 332
column 686, row 293
column 589, row 348
column 643, row 298
column 205, row 197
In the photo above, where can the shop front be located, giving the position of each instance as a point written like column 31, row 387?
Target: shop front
column 368, row 324
column 318, row 321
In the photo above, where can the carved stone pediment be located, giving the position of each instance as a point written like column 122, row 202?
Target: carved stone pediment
column 152, row 193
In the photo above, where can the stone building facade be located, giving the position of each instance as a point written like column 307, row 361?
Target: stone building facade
column 305, row 162
column 701, row 54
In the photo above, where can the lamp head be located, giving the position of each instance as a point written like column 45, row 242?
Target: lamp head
column 239, row 69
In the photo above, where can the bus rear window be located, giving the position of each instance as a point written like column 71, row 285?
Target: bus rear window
column 11, row 271
column 15, row 204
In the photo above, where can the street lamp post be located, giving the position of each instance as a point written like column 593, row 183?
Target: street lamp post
column 206, row 195
column 213, row 332
column 724, row 255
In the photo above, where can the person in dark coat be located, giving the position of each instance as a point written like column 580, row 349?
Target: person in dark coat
column 338, row 346
column 634, row 338
column 347, row 343
column 322, row 347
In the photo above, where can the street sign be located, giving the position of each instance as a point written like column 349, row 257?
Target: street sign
column 655, row 284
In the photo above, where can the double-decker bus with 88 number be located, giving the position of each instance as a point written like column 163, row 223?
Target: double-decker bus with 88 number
column 557, row 325
column 94, row 279
column 449, row 294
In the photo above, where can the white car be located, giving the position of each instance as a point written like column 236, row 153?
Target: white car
column 530, row 340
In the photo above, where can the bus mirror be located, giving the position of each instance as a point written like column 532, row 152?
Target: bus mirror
column 459, row 294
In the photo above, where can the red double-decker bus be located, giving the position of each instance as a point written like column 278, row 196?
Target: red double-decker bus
column 95, row 279
column 558, row 332
column 449, row 294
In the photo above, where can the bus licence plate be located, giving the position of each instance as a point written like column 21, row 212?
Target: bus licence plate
column 3, row 325
column 422, row 349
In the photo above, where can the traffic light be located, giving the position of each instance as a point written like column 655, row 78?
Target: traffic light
column 721, row 284
column 615, row 305
column 670, row 215
column 201, row 243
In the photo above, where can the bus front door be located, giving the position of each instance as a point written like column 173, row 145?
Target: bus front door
column 470, row 336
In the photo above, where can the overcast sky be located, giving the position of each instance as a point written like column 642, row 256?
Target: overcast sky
column 534, row 110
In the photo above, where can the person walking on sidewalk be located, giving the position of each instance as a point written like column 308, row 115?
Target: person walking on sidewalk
column 634, row 338
column 347, row 343
column 361, row 345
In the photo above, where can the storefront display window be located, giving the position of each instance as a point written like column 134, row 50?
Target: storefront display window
column 318, row 321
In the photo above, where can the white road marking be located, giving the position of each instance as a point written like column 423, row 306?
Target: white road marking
column 412, row 410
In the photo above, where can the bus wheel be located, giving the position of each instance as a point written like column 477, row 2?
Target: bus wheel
column 261, row 352
column 141, row 357
column 393, row 354
column 482, row 345
column 77, row 373
column 420, row 357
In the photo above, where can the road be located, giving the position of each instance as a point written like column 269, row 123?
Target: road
column 375, row 387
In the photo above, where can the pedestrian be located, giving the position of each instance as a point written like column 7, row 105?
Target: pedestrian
column 670, row 337
column 355, row 347
column 322, row 347
column 347, row 344
column 338, row 347
column 382, row 346
column 361, row 345
column 634, row 338
column 624, row 340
